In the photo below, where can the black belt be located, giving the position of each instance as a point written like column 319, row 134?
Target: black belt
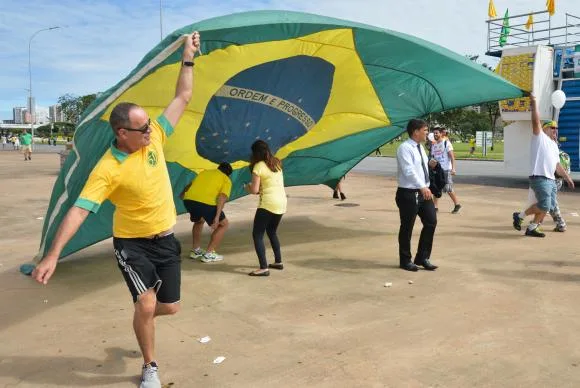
column 408, row 190
column 538, row 176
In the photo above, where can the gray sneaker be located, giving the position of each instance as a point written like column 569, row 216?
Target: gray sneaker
column 210, row 257
column 456, row 209
column 196, row 253
column 149, row 376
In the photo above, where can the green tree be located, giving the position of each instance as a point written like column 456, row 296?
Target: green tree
column 58, row 128
column 73, row 106
column 462, row 122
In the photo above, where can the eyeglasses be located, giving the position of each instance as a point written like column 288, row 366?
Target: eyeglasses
column 143, row 129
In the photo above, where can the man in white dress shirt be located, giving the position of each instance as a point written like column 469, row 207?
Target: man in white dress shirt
column 414, row 198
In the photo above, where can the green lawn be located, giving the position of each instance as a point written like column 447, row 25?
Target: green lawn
column 461, row 151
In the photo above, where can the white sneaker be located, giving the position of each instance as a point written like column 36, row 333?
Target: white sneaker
column 196, row 253
column 149, row 376
column 210, row 257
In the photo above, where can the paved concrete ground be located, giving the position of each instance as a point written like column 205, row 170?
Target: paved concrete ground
column 38, row 148
column 500, row 312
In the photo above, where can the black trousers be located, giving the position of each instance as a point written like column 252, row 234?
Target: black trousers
column 266, row 222
column 411, row 203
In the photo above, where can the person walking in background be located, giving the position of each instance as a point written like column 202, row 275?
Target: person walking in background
column 338, row 193
column 564, row 160
column 555, row 212
column 26, row 141
column 471, row 146
column 442, row 152
column 268, row 182
column 414, row 198
column 205, row 198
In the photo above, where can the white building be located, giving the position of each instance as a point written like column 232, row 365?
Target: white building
column 42, row 115
column 475, row 108
column 32, row 108
column 55, row 113
column 19, row 114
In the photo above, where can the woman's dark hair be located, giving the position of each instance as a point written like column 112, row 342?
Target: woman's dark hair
column 261, row 153
column 415, row 124
column 226, row 168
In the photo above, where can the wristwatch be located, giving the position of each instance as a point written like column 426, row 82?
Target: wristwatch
column 187, row 63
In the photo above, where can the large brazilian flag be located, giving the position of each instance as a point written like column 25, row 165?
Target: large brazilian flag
column 322, row 92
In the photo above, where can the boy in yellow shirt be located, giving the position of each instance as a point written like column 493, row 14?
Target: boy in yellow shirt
column 204, row 199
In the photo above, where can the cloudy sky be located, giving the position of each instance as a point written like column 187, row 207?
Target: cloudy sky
column 105, row 39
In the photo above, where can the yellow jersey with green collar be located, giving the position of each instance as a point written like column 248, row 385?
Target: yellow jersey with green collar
column 137, row 184
column 206, row 187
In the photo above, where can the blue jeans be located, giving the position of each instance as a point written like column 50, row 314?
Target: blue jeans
column 545, row 190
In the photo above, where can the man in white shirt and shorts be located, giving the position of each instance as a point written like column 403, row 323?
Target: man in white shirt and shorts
column 442, row 152
column 545, row 160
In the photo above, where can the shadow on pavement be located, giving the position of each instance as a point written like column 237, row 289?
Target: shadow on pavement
column 95, row 268
column 73, row 371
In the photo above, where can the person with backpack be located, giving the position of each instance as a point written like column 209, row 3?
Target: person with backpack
column 442, row 152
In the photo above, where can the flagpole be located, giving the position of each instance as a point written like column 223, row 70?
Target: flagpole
column 549, row 29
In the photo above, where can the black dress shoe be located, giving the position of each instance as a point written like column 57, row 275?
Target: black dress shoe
column 427, row 265
column 409, row 267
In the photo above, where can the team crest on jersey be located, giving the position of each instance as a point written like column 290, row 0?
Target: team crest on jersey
column 152, row 158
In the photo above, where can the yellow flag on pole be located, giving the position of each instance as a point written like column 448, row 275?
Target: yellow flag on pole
column 491, row 10
column 551, row 6
column 530, row 22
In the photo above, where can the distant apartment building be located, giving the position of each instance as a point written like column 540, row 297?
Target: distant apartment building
column 55, row 113
column 475, row 108
column 32, row 108
column 42, row 115
column 19, row 115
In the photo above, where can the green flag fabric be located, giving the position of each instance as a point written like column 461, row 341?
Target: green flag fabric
column 505, row 29
column 323, row 93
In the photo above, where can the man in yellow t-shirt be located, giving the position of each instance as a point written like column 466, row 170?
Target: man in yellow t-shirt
column 133, row 175
column 205, row 198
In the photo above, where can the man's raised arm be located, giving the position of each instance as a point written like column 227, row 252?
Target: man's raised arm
column 183, row 90
column 536, row 124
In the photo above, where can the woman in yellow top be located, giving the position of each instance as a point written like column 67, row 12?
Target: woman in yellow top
column 268, row 181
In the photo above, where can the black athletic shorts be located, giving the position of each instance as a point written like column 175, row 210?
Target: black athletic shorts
column 151, row 263
column 199, row 210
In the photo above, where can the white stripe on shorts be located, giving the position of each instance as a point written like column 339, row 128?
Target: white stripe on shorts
column 137, row 282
